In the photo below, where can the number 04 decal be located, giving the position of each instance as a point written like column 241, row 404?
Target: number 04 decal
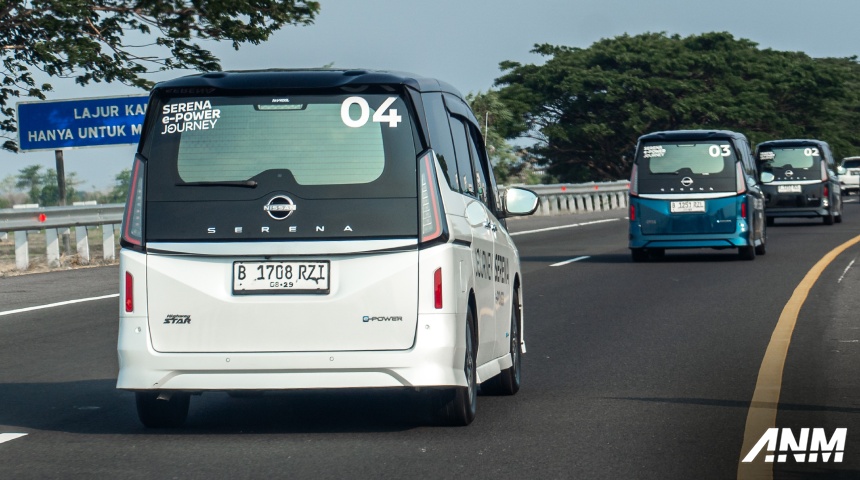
column 379, row 116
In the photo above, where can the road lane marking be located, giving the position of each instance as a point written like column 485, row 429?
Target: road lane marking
column 559, row 264
column 565, row 226
column 845, row 272
column 5, row 437
column 58, row 304
column 765, row 401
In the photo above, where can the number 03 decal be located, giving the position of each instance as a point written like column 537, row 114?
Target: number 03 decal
column 719, row 150
column 379, row 116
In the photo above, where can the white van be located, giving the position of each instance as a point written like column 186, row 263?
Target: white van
column 316, row 229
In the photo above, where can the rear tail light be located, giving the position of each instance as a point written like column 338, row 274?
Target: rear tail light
column 632, row 212
column 437, row 288
column 432, row 225
column 826, row 193
column 741, row 186
column 129, row 292
column 132, row 224
column 744, row 209
column 634, row 182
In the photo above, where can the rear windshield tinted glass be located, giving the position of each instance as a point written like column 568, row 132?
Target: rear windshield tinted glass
column 790, row 157
column 321, row 140
column 851, row 163
column 347, row 160
column 689, row 166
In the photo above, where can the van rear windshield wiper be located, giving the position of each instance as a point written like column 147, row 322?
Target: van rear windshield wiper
column 231, row 183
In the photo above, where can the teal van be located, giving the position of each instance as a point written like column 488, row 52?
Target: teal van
column 695, row 189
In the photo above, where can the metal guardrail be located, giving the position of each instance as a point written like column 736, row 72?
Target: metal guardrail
column 57, row 223
column 568, row 198
column 559, row 199
column 14, row 219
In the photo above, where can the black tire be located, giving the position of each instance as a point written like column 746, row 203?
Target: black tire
column 657, row 253
column 508, row 381
column 839, row 217
column 459, row 404
column 762, row 249
column 771, row 221
column 156, row 413
column 828, row 219
column 639, row 254
column 747, row 253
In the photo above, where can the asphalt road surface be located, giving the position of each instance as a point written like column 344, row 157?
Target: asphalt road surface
column 642, row 370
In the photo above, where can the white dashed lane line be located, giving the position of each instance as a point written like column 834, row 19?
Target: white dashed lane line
column 559, row 264
column 5, row 437
column 58, row 304
column 565, row 226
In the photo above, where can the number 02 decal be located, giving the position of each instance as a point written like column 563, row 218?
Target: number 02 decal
column 811, row 152
column 719, row 150
column 379, row 116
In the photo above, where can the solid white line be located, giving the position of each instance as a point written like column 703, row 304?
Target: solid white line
column 58, row 304
column 559, row 264
column 5, row 437
column 845, row 271
column 565, row 226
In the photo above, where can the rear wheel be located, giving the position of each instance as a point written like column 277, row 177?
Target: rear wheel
column 839, row 217
column 639, row 254
column 155, row 412
column 459, row 404
column 747, row 253
column 828, row 219
column 771, row 221
column 508, row 381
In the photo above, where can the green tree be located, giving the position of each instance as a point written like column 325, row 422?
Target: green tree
column 120, row 189
column 100, row 40
column 490, row 110
column 50, row 192
column 586, row 108
column 30, row 180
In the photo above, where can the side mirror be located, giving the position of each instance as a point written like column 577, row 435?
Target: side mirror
column 519, row 201
column 766, row 177
column 842, row 170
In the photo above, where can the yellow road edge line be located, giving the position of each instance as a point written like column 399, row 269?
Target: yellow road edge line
column 765, row 400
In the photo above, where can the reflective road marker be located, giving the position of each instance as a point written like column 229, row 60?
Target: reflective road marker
column 765, row 400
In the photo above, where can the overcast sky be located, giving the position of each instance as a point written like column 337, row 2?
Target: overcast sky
column 463, row 41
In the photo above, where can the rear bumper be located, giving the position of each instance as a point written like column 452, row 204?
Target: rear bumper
column 436, row 359
column 741, row 237
column 797, row 212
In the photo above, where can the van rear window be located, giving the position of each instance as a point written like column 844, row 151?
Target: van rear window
column 792, row 157
column 346, row 160
column 320, row 140
column 681, row 167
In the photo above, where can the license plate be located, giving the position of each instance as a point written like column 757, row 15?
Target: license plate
column 281, row 277
column 690, row 206
column 789, row 188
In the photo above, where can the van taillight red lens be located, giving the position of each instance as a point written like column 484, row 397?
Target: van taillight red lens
column 129, row 292
column 132, row 224
column 437, row 288
column 632, row 212
column 744, row 209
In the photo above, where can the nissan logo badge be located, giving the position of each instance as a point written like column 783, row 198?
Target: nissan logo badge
column 686, row 181
column 280, row 207
column 789, row 173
